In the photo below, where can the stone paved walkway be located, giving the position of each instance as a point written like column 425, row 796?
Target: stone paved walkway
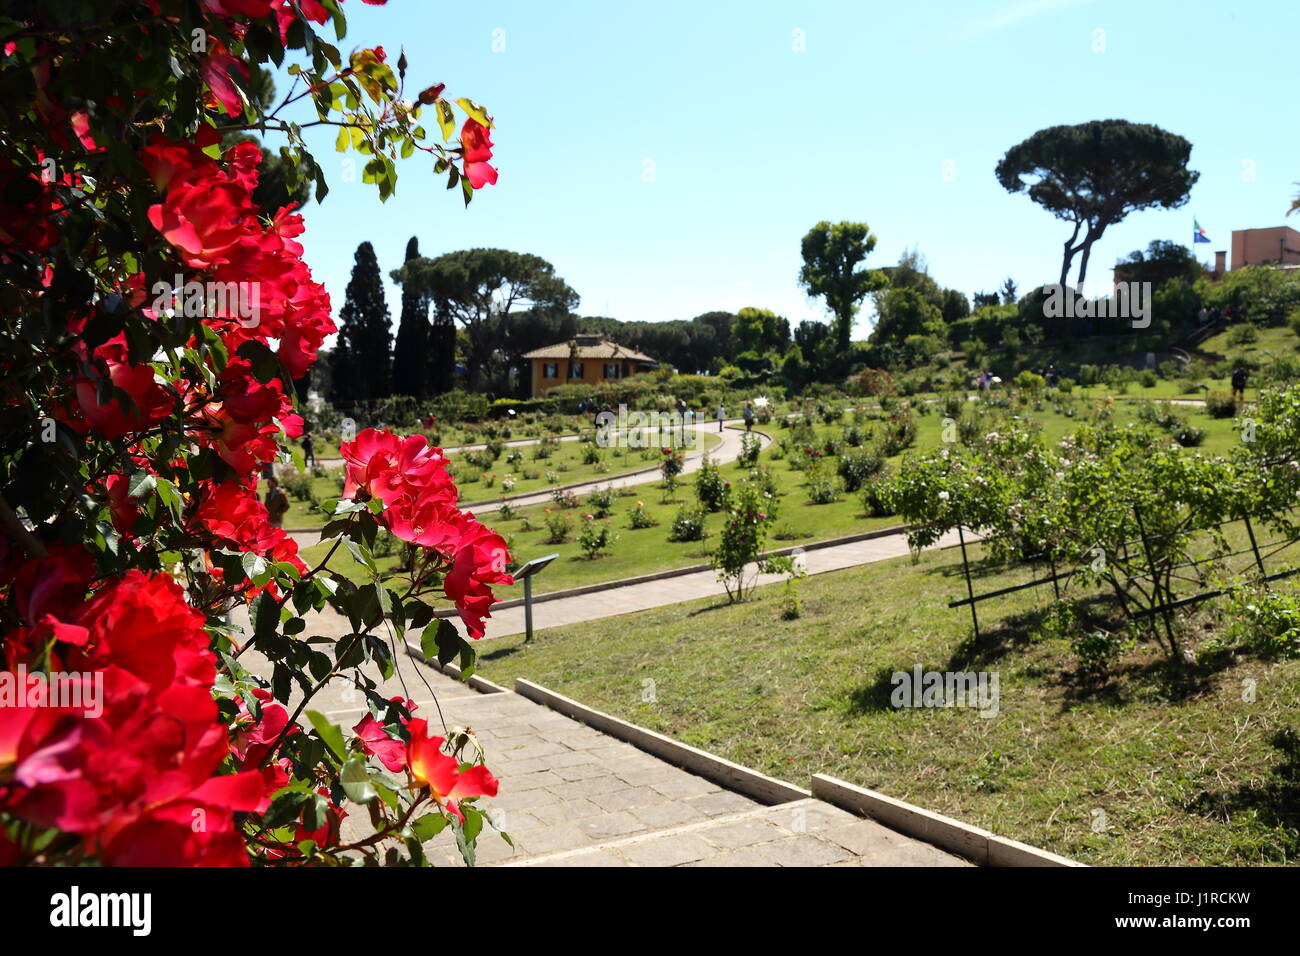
column 572, row 796
column 685, row 587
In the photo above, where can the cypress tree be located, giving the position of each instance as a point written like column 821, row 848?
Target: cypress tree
column 363, row 354
column 410, row 368
column 442, row 351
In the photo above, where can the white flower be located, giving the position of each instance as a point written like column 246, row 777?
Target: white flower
column 943, row 496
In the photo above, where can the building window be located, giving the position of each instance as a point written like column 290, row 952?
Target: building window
column 575, row 370
column 550, row 370
column 611, row 370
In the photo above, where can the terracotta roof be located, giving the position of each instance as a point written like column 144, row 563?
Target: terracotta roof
column 589, row 347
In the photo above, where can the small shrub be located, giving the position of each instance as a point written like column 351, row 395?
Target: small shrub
column 710, row 487
column 601, row 501
column 1264, row 620
column 750, row 446
column 688, row 525
column 1096, row 650
column 297, row 485
column 1220, row 405
column 595, row 537
column 1243, row 334
column 877, row 498
column 559, row 527
column 858, row 466
column 639, row 518
column 791, row 607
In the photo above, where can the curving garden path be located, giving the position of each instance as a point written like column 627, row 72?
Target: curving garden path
column 725, row 452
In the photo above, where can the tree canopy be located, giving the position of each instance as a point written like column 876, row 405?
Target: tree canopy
column 1094, row 174
column 831, row 255
column 479, row 289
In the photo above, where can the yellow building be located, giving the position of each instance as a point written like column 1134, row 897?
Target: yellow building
column 587, row 360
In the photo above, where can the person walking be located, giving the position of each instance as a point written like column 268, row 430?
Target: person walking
column 277, row 502
column 308, row 451
column 1239, row 378
column 722, row 411
column 749, row 416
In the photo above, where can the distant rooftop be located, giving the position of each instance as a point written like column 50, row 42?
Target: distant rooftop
column 588, row 347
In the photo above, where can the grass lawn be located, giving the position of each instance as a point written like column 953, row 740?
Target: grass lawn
column 1193, row 777
column 647, row 550
column 565, row 462
column 1269, row 343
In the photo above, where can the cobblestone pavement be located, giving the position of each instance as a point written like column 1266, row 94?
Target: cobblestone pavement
column 573, row 796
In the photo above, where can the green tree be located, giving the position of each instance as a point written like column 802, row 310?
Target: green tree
column 760, row 330
column 1094, row 174
column 479, row 289
column 410, row 349
column 905, row 312
column 361, row 357
column 1162, row 260
column 955, row 306
column 831, row 255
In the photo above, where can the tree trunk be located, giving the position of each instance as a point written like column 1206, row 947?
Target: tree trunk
column 1068, row 257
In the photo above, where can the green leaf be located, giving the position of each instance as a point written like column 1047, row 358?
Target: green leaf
column 429, row 826
column 255, row 567
column 329, row 732
column 441, row 640
column 284, row 807
column 266, row 615
column 356, row 781
column 141, row 484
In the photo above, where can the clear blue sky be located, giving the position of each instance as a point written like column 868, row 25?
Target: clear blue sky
column 753, row 142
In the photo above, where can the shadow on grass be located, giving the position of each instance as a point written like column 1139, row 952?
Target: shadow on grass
column 875, row 697
column 500, row 652
column 1275, row 801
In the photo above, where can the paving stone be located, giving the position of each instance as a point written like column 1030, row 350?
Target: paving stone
column 566, row 810
column 582, row 771
column 628, row 799
column 669, row 814
column 802, row 851
column 591, row 787
column 719, row 802
column 813, row 816
column 526, row 800
column 741, row 833
column 590, row 858
column 611, row 825
column 672, row 850
column 681, row 784
column 520, row 782
column 863, row 837
column 745, row 857
column 552, row 839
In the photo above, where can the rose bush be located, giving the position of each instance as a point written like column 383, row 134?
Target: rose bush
column 135, row 419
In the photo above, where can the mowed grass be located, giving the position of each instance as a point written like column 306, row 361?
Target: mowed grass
column 800, row 522
column 645, row 550
column 565, row 462
column 1199, row 776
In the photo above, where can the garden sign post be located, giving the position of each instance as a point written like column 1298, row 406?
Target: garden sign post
column 526, row 572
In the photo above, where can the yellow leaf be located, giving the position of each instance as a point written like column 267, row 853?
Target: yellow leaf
column 475, row 112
